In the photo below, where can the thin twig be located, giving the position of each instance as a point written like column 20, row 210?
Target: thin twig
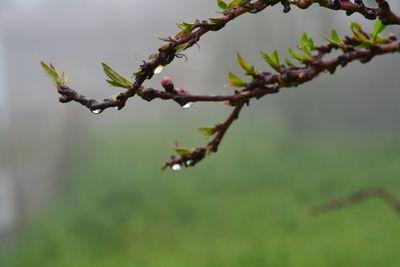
column 357, row 197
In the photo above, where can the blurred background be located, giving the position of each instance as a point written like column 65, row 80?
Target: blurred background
column 78, row 189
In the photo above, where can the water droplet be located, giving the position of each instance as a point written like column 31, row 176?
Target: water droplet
column 97, row 111
column 189, row 162
column 187, row 105
column 117, row 108
column 158, row 69
column 176, row 167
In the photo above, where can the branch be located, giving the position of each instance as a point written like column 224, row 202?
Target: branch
column 191, row 34
column 383, row 11
column 189, row 157
column 361, row 46
column 186, row 38
column 267, row 83
column 355, row 198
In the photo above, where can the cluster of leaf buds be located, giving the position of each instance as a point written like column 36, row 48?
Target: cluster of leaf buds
column 58, row 80
column 307, row 56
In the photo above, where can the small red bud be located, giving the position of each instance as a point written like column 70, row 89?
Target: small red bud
column 181, row 91
column 166, row 82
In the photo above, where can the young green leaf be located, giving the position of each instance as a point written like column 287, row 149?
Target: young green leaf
column 355, row 28
column 235, row 80
column 358, row 32
column 186, row 27
column 215, row 20
column 307, row 41
column 336, row 37
column 113, row 83
column 63, row 79
column 235, row 3
column 381, row 40
column 361, row 36
column 208, row 131
column 379, row 27
column 306, row 50
column 222, row 4
column 272, row 60
column 307, row 44
column 335, row 40
column 275, row 57
column 289, row 63
column 249, row 69
column 116, row 79
column 331, row 42
column 184, row 152
column 297, row 55
column 54, row 76
column 51, row 72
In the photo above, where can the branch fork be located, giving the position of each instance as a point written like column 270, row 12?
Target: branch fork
column 361, row 46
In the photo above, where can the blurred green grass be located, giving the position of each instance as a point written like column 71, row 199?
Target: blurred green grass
column 244, row 206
